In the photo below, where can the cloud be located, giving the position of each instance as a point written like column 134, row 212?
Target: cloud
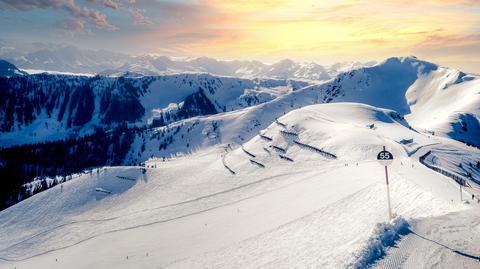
column 24, row 5
column 465, row 46
column 80, row 14
column 77, row 12
column 456, row 50
column 455, row 2
column 96, row 17
column 107, row 3
column 72, row 26
column 138, row 17
column 111, row 4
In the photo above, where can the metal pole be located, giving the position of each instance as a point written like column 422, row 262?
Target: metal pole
column 388, row 195
column 460, row 184
column 388, row 191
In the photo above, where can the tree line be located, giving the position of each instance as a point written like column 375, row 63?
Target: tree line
column 21, row 164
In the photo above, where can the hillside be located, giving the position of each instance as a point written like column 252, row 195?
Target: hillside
column 51, row 107
column 38, row 108
column 305, row 192
column 201, row 112
column 392, row 84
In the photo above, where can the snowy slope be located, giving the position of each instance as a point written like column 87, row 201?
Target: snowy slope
column 200, row 110
column 419, row 90
column 387, row 85
column 52, row 107
column 273, row 179
column 446, row 102
column 307, row 210
column 462, row 161
column 448, row 241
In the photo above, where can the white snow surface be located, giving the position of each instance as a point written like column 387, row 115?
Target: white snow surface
column 39, row 71
column 433, row 99
column 191, row 212
column 397, row 84
column 165, row 92
column 393, row 84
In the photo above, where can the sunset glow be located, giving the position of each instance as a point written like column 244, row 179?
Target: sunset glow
column 330, row 30
column 446, row 31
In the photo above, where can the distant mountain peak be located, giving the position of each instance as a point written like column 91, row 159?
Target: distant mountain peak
column 406, row 63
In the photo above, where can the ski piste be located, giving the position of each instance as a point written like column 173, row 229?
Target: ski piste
column 312, row 211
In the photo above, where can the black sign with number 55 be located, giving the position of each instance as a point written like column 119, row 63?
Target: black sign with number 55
column 384, row 155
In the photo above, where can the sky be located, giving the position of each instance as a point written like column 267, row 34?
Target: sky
column 323, row 31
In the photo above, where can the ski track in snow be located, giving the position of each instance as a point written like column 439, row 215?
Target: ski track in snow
column 442, row 239
column 53, row 230
column 308, row 212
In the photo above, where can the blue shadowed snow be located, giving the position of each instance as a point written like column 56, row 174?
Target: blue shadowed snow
column 465, row 128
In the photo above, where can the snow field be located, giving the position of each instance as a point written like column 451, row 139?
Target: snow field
column 191, row 212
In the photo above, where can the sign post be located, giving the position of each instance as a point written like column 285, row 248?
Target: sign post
column 385, row 158
column 460, row 183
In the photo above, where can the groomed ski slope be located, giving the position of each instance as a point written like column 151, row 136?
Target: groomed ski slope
column 405, row 85
column 303, row 210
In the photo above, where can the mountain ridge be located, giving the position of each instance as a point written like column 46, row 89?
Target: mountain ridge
column 70, row 59
column 206, row 110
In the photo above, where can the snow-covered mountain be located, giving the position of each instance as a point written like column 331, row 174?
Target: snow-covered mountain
column 284, row 69
column 40, row 108
column 50, row 107
column 195, row 170
column 59, row 57
column 393, row 84
column 305, row 191
column 55, row 58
